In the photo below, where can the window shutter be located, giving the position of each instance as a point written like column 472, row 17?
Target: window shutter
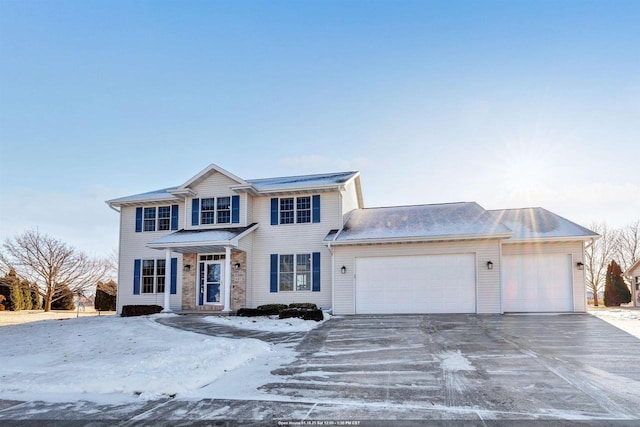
column 174, row 217
column 274, row 211
column 274, row 272
column 201, row 285
column 138, row 220
column 235, row 209
column 136, row 277
column 174, row 276
column 315, row 208
column 315, row 271
column 195, row 212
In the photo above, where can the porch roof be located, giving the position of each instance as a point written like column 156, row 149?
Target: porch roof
column 202, row 241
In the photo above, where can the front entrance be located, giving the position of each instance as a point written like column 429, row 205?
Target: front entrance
column 211, row 283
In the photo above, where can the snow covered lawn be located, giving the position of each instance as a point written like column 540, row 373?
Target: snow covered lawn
column 112, row 359
column 267, row 324
column 25, row 316
column 627, row 319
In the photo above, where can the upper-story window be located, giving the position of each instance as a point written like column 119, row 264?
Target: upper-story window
column 296, row 210
column 159, row 218
column 215, row 210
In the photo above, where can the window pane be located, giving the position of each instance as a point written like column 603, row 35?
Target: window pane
column 303, row 262
column 149, row 213
column 286, row 217
column 303, row 281
column 160, row 285
column 207, row 204
column 304, row 203
column 224, row 217
column 286, row 281
column 303, row 210
column 286, row 204
column 224, row 202
column 286, row 263
column 147, row 276
column 208, row 217
column 147, row 267
column 164, row 212
column 303, row 217
column 149, row 223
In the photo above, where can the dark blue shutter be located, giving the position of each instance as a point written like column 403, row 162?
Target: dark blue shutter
column 274, row 211
column 201, row 285
column 174, row 276
column 174, row 217
column 274, row 272
column 136, row 277
column 138, row 220
column 315, row 208
column 235, row 209
column 195, row 212
column 315, row 271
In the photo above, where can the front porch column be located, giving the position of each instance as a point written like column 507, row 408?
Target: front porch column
column 227, row 279
column 167, row 281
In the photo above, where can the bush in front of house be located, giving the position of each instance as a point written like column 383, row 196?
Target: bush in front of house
column 140, row 310
column 308, row 305
column 272, row 309
column 302, row 313
column 250, row 312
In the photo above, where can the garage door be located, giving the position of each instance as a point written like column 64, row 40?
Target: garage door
column 416, row 284
column 537, row 283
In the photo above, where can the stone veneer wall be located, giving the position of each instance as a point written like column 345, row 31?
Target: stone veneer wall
column 189, row 281
column 238, row 280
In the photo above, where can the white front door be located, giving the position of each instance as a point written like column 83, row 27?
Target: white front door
column 211, row 282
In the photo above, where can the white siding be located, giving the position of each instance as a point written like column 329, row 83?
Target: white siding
column 349, row 199
column 217, row 185
column 291, row 239
column 575, row 249
column 488, row 281
column 133, row 246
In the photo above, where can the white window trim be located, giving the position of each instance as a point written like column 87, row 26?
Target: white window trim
column 215, row 210
column 156, row 218
column 295, row 272
column 155, row 276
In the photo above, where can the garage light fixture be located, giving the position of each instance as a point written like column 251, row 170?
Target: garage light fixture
column 343, row 270
column 580, row 266
column 489, row 265
column 236, row 266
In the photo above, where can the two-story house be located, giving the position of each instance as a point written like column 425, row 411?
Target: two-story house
column 219, row 242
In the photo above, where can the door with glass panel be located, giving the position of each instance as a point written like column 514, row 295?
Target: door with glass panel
column 211, row 276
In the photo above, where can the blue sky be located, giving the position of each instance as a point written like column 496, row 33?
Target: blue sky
column 507, row 103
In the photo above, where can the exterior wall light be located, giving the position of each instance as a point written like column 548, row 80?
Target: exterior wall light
column 580, row 266
column 489, row 265
column 187, row 267
column 236, row 266
column 343, row 270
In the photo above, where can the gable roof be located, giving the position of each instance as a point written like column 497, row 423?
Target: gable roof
column 450, row 221
column 262, row 186
column 633, row 267
column 539, row 223
column 192, row 241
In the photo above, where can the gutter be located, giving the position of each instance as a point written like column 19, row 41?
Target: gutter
column 111, row 206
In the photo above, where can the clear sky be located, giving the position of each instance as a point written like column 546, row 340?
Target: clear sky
column 506, row 103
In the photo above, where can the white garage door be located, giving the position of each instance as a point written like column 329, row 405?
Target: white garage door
column 416, row 284
column 537, row 283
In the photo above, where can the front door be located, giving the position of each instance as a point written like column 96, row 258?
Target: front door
column 211, row 274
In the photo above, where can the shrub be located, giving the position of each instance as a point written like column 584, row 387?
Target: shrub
column 302, row 313
column 140, row 310
column 272, row 309
column 615, row 290
column 2, row 299
column 106, row 296
column 250, row 312
column 66, row 299
column 308, row 305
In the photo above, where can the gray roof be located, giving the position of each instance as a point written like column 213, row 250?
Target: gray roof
column 422, row 222
column 142, row 197
column 287, row 182
column 539, row 223
column 201, row 236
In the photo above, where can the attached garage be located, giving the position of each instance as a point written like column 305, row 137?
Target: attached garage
column 416, row 284
column 537, row 283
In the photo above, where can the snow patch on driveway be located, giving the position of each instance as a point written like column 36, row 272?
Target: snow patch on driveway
column 267, row 324
column 454, row 361
column 627, row 319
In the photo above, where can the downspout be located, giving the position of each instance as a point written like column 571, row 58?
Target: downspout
column 333, row 280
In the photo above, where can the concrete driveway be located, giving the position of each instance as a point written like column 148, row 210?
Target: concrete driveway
column 452, row 368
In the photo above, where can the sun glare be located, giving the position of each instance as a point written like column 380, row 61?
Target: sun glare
column 527, row 169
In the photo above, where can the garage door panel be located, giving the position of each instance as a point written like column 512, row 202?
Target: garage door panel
column 416, row 284
column 537, row 283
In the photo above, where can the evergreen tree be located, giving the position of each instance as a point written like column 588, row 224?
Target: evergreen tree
column 106, row 296
column 615, row 290
column 63, row 300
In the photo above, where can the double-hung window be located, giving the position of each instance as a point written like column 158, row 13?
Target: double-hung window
column 157, row 218
column 224, row 210
column 149, row 219
column 208, row 210
column 153, row 276
column 295, row 272
column 164, row 218
column 295, row 210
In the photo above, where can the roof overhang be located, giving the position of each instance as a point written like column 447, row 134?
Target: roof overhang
column 416, row 239
column 199, row 245
column 551, row 239
column 142, row 201
column 633, row 267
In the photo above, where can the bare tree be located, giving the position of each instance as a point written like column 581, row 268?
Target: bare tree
column 598, row 254
column 628, row 251
column 51, row 264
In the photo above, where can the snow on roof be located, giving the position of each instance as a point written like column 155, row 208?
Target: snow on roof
column 422, row 221
column 287, row 182
column 200, row 236
column 539, row 223
column 142, row 197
